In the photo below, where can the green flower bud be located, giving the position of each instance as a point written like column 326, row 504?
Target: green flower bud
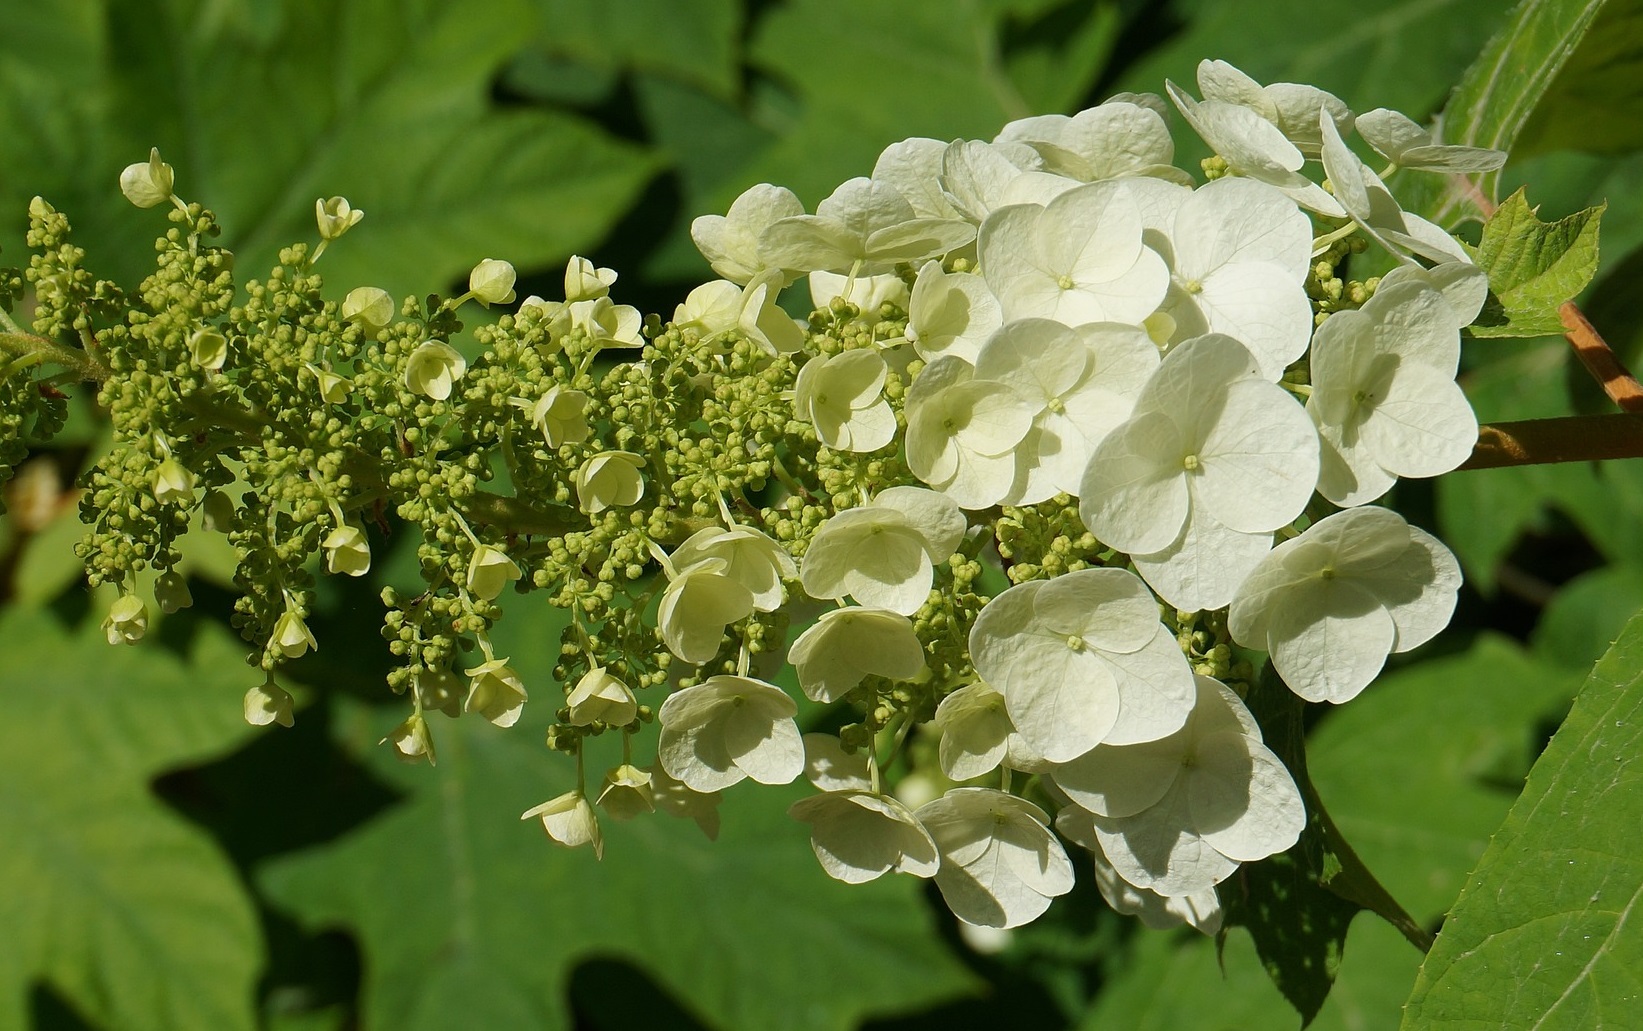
column 147, row 183
column 491, row 282
column 335, row 217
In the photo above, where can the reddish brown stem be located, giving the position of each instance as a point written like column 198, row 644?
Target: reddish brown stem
column 1600, row 360
column 1576, row 438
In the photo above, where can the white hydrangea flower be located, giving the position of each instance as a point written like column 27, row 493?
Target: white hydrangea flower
column 712, row 309
column 559, row 414
column 570, row 821
column 675, row 799
column 763, row 321
column 1201, row 909
column 859, row 836
column 495, row 692
column 884, row 553
column 1082, row 383
column 1239, row 251
column 697, row 605
column 490, row 570
column 268, row 703
column 347, row 551
column 607, row 323
column 828, row 767
column 863, row 227
column 433, row 369
column 1384, row 395
column 585, row 282
column 977, row 735
column 491, row 282
column 976, row 176
column 1295, row 108
column 1176, row 816
column 1112, row 141
column 1000, row 863
column 626, row 792
column 1213, row 459
column 1082, row 659
column 1377, row 213
column 1077, row 259
column 291, row 637
column 951, row 313
column 842, row 396
column 1463, row 285
column 600, row 698
column 148, row 183
column 1333, row 603
column 963, row 432
column 1404, row 143
column 847, row 645
column 1255, row 147
column 749, row 557
column 730, row 242
column 913, row 167
column 370, row 306
column 868, row 293
column 609, row 479
column 729, row 728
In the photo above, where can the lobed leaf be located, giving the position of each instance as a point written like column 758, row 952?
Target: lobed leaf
column 1533, row 267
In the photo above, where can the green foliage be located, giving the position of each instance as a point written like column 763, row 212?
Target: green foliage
column 469, row 918
column 1539, row 936
column 124, row 909
column 1592, row 104
column 1533, row 267
column 1499, row 92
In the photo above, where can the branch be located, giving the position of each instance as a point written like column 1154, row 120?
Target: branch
column 25, row 346
column 1600, row 360
column 1575, row 438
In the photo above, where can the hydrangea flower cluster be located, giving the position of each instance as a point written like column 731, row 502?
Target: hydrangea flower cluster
column 1064, row 429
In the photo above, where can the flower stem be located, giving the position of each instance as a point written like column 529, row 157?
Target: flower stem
column 83, row 365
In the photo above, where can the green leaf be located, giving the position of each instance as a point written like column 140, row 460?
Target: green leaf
column 1421, row 768
column 1496, row 96
column 1542, row 935
column 468, row 917
column 863, row 74
column 693, row 41
column 1165, row 982
column 1596, row 102
column 1586, row 616
column 1401, row 54
column 383, row 102
column 1533, row 267
column 115, row 902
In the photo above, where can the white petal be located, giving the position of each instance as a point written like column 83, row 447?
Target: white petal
column 828, row 767
column 1259, row 463
column 1329, row 639
column 1419, row 589
column 1134, row 492
column 1155, row 690
column 1203, row 567
column 1244, row 802
column 1117, row 781
column 1155, row 849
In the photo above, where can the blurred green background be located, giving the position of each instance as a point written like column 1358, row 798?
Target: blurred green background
column 166, row 867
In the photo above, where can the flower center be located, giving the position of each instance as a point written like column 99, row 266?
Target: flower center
column 1190, row 463
column 1056, row 406
column 1065, row 282
column 1193, row 286
column 1076, row 643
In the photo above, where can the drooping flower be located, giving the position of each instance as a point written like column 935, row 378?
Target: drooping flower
column 977, row 735
column 726, row 729
column 600, row 698
column 883, row 554
column 370, row 306
column 696, row 606
column 626, row 792
column 1212, row 460
column 1111, row 141
column 569, row 820
column 1403, row 142
column 828, row 767
column 1000, row 863
column 749, row 556
column 491, row 282
column 1384, row 395
column 859, row 836
column 148, row 183
column 1377, row 213
column 1331, row 604
column 847, row 645
column 495, row 692
column 1082, row 659
column 1177, row 815
column 291, row 637
column 490, row 570
column 347, row 551
column 675, row 799
column 1201, row 909
column 1295, row 108
column 268, row 703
